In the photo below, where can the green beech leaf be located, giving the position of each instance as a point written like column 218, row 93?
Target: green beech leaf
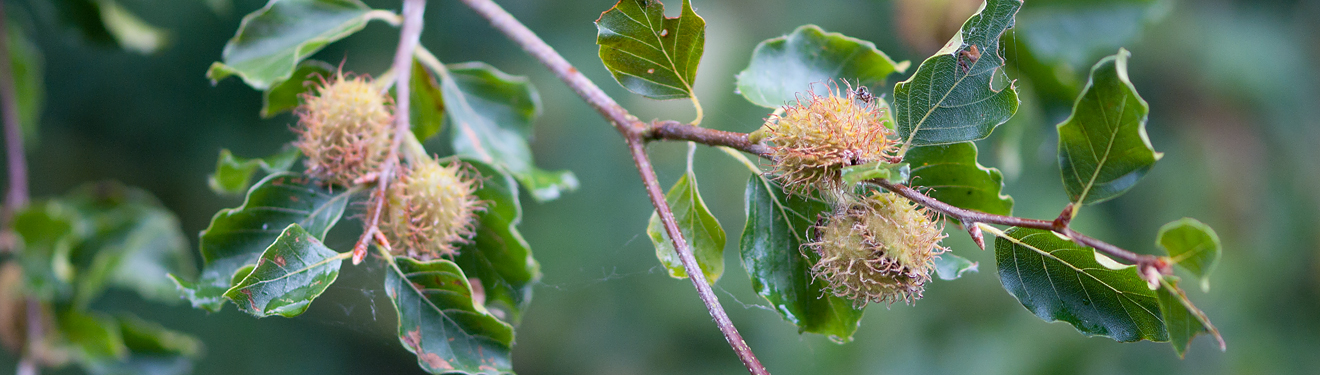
column 27, row 68
column 961, row 93
column 233, row 175
column 145, row 337
column 780, row 268
column 92, row 336
column 285, row 95
column 648, row 53
column 291, row 273
column 427, row 103
column 1060, row 281
column 132, row 33
column 1184, row 320
column 786, row 66
column 951, row 267
column 701, row 230
column 1056, row 40
column 492, row 115
column 1074, row 33
column 238, row 236
column 1192, row 246
column 894, row 173
column 125, row 344
column 129, row 240
column 954, row 177
column 272, row 40
column 48, row 231
column 442, row 324
column 84, row 17
column 108, row 23
column 1103, row 147
column 498, row 254
column 153, row 350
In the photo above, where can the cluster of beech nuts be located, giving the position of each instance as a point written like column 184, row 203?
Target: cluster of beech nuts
column 872, row 247
column 345, row 129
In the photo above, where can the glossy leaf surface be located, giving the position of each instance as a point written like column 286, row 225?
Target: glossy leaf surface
column 1183, row 319
column 492, row 115
column 441, row 323
column 954, row 177
column 1103, row 146
column 233, row 175
column 648, row 53
column 780, row 267
column 427, row 108
column 1192, row 246
column 961, row 93
column 1060, row 281
column 238, row 236
column 951, row 267
column 285, row 95
column 784, row 68
column 291, row 273
column 272, row 40
column 894, row 173
column 700, row 229
column 498, row 254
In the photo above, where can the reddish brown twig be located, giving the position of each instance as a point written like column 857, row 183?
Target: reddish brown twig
column 635, row 133
column 17, row 196
column 669, row 130
column 409, row 35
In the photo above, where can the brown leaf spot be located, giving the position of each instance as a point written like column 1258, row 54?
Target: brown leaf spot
column 434, row 361
column 251, row 302
column 293, row 198
column 413, row 339
column 279, row 260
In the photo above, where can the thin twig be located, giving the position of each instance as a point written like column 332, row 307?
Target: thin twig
column 409, row 36
column 677, row 131
column 698, row 278
column 674, row 130
column 970, row 217
column 633, row 132
column 17, row 196
column 533, row 45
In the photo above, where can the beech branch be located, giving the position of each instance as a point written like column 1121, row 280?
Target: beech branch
column 17, row 195
column 635, row 133
column 676, row 131
column 409, row 36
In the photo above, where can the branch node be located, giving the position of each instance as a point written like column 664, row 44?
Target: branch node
column 1065, row 217
column 360, row 249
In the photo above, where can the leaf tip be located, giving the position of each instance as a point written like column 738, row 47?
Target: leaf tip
column 218, row 71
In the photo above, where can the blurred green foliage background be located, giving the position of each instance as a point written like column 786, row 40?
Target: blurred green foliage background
column 1234, row 106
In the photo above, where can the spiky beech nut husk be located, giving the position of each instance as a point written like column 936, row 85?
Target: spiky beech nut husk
column 815, row 138
column 344, row 129
column 432, row 209
column 879, row 248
